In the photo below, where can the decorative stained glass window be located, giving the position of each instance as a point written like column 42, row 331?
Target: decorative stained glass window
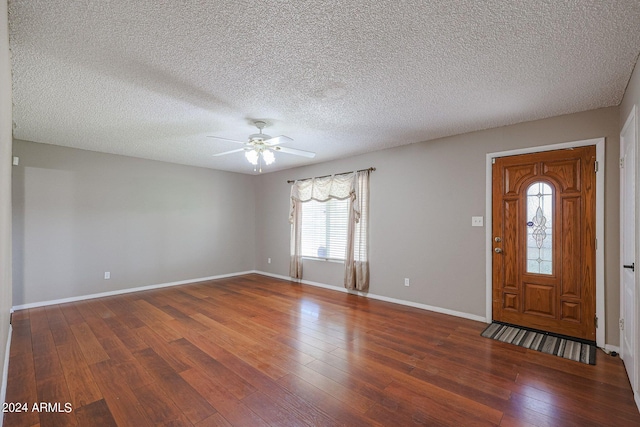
column 540, row 228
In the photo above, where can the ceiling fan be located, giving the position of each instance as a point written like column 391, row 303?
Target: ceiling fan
column 261, row 147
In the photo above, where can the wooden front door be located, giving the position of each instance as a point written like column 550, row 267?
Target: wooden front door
column 544, row 241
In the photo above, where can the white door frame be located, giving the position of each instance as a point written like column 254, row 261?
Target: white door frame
column 635, row 382
column 599, row 143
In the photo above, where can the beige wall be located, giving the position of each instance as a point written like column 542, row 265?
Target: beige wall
column 5, row 187
column 422, row 199
column 79, row 213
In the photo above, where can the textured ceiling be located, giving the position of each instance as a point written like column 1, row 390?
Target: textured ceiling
column 153, row 78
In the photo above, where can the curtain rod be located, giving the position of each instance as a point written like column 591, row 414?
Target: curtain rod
column 291, row 181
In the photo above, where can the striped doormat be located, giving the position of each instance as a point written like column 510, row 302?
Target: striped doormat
column 545, row 342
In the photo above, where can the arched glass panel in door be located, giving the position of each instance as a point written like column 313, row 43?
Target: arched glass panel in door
column 540, row 228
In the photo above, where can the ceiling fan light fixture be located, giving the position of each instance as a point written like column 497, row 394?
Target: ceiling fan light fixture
column 268, row 157
column 252, row 156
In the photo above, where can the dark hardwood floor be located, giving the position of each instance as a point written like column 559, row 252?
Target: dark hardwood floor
column 256, row 351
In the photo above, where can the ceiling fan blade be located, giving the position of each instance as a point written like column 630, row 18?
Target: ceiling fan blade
column 302, row 153
column 227, row 139
column 229, row 152
column 277, row 140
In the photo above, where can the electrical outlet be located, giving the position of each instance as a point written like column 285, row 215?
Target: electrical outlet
column 107, row 275
column 477, row 221
column 268, row 260
column 406, row 281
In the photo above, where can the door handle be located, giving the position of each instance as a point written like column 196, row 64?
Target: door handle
column 498, row 250
column 632, row 266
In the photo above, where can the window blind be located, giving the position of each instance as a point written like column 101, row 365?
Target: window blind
column 324, row 229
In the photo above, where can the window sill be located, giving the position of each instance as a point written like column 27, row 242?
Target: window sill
column 336, row 261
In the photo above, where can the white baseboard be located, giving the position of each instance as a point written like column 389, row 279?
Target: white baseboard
column 126, row 291
column 611, row 348
column 382, row 298
column 5, row 374
column 636, row 397
column 277, row 276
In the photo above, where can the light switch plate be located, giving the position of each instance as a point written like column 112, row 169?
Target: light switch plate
column 477, row 221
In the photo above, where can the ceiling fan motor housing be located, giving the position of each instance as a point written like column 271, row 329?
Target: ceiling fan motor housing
column 258, row 137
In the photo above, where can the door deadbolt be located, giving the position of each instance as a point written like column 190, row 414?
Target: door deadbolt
column 498, row 250
column 497, row 239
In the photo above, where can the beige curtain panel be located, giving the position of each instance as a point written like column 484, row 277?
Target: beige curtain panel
column 353, row 186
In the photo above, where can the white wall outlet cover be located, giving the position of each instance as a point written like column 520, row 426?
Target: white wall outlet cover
column 406, row 282
column 16, row 161
column 477, row 221
column 107, row 275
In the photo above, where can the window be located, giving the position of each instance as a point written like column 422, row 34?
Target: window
column 324, row 229
column 539, row 228
column 334, row 229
